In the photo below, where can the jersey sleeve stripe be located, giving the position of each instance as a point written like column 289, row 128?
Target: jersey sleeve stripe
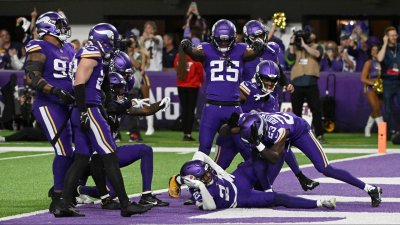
column 90, row 55
column 33, row 48
column 282, row 133
column 245, row 90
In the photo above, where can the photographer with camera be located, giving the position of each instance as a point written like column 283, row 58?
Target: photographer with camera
column 304, row 75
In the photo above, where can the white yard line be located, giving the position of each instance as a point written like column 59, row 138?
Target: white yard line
column 193, row 149
column 26, row 156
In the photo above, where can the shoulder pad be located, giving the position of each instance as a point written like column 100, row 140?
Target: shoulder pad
column 273, row 47
column 89, row 52
column 33, row 46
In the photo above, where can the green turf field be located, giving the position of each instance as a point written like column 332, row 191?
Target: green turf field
column 174, row 139
column 25, row 181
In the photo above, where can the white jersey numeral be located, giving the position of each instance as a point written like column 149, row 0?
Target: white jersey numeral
column 217, row 66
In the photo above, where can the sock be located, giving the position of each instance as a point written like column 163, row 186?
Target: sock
column 98, row 174
column 319, row 203
column 73, row 175
column 146, row 167
column 379, row 120
column 104, row 196
column 147, row 194
column 294, row 202
column 113, row 172
column 368, row 187
column 290, row 159
column 60, row 168
column 370, row 121
column 150, row 122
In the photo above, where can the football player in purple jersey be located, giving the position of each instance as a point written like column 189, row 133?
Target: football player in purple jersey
column 213, row 188
column 258, row 95
column 47, row 71
column 91, row 131
column 127, row 154
column 270, row 135
column 223, row 63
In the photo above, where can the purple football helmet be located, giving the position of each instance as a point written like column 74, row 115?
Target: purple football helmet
column 255, row 29
column 223, row 35
column 249, row 123
column 104, row 36
column 121, row 63
column 117, row 83
column 54, row 24
column 267, row 70
column 198, row 169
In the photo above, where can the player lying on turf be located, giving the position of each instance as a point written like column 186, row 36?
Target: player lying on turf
column 270, row 134
column 214, row 188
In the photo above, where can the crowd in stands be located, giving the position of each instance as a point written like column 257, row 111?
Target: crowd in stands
column 151, row 51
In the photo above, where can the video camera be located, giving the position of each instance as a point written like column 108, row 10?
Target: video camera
column 298, row 34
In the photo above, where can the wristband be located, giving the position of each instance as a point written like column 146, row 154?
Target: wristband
column 260, row 147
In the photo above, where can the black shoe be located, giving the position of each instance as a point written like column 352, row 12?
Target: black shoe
column 375, row 196
column 150, row 199
column 306, row 183
column 188, row 138
column 55, row 199
column 63, row 209
column 133, row 208
column 189, row 202
column 110, row 204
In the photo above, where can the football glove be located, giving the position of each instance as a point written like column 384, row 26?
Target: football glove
column 140, row 103
column 186, row 44
column 85, row 121
column 65, row 96
column 165, row 102
column 191, row 182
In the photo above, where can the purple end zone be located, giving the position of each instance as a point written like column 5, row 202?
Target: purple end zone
column 176, row 213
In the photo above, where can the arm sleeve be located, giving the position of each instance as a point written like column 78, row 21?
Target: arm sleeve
column 205, row 158
column 208, row 200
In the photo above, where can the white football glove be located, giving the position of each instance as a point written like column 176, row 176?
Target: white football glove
column 191, row 182
column 165, row 102
column 140, row 103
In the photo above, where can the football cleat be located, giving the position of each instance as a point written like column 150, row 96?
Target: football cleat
column 375, row 196
column 174, row 188
column 63, row 209
column 329, row 203
column 55, row 199
column 132, row 209
column 150, row 199
column 306, row 183
column 84, row 199
column 110, row 204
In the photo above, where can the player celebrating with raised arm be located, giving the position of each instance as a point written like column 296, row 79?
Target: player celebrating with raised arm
column 271, row 134
column 223, row 63
column 47, row 69
column 213, row 188
column 91, row 130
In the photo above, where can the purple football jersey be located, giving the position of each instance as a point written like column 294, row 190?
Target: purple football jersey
column 271, row 52
column 222, row 80
column 223, row 192
column 278, row 123
column 252, row 92
column 93, row 85
column 56, row 70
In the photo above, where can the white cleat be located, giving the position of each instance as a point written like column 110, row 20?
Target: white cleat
column 329, row 203
column 84, row 199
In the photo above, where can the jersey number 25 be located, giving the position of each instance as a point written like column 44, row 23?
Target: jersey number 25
column 217, row 66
